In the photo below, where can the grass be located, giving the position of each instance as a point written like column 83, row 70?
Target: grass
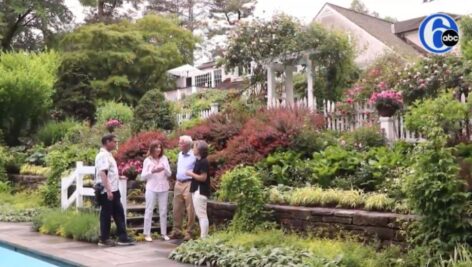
column 316, row 196
column 21, row 200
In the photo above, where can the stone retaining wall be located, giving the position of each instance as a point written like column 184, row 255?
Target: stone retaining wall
column 28, row 181
column 383, row 225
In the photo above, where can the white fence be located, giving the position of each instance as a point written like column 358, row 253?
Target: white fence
column 362, row 114
column 76, row 177
column 204, row 114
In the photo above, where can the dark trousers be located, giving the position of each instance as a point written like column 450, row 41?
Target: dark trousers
column 112, row 208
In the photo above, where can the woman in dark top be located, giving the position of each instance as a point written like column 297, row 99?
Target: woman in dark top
column 200, row 186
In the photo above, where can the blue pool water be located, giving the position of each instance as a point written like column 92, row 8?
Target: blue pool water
column 11, row 258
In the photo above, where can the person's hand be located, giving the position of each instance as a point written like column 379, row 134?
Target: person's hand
column 158, row 169
column 189, row 173
column 110, row 196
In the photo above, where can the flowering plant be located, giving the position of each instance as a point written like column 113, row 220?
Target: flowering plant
column 130, row 168
column 387, row 102
column 345, row 108
column 111, row 124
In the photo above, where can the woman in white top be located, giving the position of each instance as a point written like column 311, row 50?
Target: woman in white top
column 156, row 171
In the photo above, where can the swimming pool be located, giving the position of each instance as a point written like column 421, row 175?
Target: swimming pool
column 11, row 256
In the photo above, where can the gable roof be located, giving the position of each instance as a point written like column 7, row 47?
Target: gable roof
column 377, row 27
column 413, row 24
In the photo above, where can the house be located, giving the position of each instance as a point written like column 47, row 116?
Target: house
column 209, row 75
column 372, row 36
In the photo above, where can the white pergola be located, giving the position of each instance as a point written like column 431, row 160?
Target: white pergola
column 289, row 65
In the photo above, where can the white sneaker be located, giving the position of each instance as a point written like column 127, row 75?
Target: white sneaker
column 165, row 237
column 148, row 238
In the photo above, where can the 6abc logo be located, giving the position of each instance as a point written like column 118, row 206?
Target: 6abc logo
column 438, row 33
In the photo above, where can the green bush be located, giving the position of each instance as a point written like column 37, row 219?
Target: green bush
column 4, row 187
column 79, row 225
column 436, row 193
column 243, row 186
column 153, row 112
column 4, row 158
column 113, row 110
column 202, row 101
column 364, row 138
column 60, row 159
column 285, row 168
column 54, row 131
column 276, row 248
column 310, row 140
column 27, row 84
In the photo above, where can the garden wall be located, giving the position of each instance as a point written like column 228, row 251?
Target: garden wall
column 28, row 181
column 325, row 221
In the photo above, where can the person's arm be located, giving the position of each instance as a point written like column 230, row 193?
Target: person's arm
column 147, row 169
column 167, row 169
column 200, row 177
column 103, row 165
column 106, row 184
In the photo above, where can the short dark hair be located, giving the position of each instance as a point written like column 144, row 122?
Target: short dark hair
column 108, row 138
column 202, row 147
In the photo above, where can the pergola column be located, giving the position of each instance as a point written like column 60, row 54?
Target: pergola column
column 289, row 85
column 309, row 79
column 270, row 84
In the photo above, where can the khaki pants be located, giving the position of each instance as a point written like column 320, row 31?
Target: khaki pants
column 182, row 201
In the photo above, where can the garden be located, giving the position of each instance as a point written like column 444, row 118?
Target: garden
column 56, row 105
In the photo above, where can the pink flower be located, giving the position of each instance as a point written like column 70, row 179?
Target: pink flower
column 113, row 123
column 349, row 100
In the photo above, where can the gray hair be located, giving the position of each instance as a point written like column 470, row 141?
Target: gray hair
column 202, row 147
column 187, row 139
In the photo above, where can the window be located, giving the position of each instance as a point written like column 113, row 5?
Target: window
column 203, row 80
column 218, row 77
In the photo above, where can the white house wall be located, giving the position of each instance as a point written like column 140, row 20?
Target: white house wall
column 368, row 48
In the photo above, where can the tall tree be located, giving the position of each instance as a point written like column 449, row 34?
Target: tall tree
column 359, row 6
column 232, row 11
column 106, row 10
column 21, row 21
column 119, row 61
column 190, row 12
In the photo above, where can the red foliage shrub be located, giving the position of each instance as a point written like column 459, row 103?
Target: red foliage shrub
column 267, row 131
column 137, row 146
column 216, row 130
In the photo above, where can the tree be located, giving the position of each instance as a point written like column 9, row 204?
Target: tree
column 118, row 62
column 26, row 89
column 359, row 6
column 106, row 10
column 190, row 12
column 232, row 11
column 466, row 37
column 21, row 21
column 153, row 112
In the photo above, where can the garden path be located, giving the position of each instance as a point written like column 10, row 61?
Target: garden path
column 87, row 254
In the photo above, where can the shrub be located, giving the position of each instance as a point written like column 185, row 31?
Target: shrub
column 16, row 157
column 267, row 131
column 243, row 186
column 435, row 192
column 3, row 162
column 37, row 156
column 4, row 187
column 53, row 131
column 82, row 226
column 113, row 110
column 364, row 137
column 60, row 159
column 285, row 168
column 27, row 81
column 202, row 101
column 311, row 140
column 378, row 202
column 153, row 112
column 137, row 146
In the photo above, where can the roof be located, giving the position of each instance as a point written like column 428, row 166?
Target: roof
column 413, row 24
column 377, row 27
column 207, row 65
column 185, row 71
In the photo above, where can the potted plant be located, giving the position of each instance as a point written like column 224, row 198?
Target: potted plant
column 130, row 168
column 387, row 102
column 111, row 124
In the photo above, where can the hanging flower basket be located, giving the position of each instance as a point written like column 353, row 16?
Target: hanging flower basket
column 387, row 102
column 130, row 169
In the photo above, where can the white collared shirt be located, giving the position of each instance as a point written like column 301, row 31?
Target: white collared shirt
column 104, row 161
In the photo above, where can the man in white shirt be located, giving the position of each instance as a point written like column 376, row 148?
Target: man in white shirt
column 106, row 171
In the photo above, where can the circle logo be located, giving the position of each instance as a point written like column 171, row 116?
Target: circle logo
column 438, row 33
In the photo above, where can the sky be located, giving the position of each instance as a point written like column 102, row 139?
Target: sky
column 305, row 10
